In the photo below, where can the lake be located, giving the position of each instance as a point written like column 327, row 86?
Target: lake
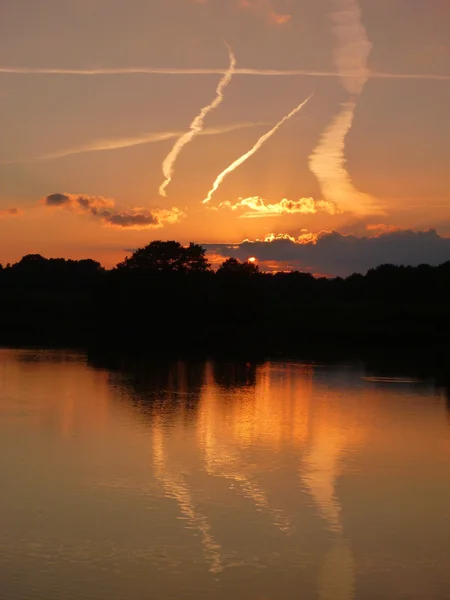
column 221, row 480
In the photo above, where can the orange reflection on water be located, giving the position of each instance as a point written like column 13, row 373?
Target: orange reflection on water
column 281, row 473
column 66, row 397
column 333, row 431
column 176, row 487
column 273, row 412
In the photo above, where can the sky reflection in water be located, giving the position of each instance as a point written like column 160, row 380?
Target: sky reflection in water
column 202, row 480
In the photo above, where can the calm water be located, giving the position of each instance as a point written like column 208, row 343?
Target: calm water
column 218, row 481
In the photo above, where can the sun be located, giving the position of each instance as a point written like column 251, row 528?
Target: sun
column 252, row 259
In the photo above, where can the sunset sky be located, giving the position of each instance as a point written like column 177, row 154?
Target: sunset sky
column 127, row 121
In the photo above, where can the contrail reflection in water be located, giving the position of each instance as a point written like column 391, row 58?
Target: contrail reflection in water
column 176, row 488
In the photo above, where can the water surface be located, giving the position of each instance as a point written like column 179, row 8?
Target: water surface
column 220, row 481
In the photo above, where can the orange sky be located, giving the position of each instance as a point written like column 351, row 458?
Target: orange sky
column 369, row 147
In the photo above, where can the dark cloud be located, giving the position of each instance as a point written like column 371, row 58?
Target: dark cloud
column 104, row 209
column 96, row 205
column 84, row 201
column 141, row 220
column 333, row 253
column 57, row 199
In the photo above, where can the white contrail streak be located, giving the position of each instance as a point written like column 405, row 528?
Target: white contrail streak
column 262, row 140
column 129, row 142
column 196, row 126
column 327, row 161
column 354, row 48
column 200, row 71
column 328, row 164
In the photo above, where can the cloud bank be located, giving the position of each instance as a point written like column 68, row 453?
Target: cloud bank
column 333, row 253
column 256, row 207
column 104, row 209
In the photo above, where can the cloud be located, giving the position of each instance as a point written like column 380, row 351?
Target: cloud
column 139, row 218
column 104, row 210
column 353, row 49
column 255, row 207
column 106, row 144
column 334, row 253
column 279, row 19
column 305, row 237
column 382, row 227
column 327, row 161
column 79, row 203
column 57, row 200
column 267, row 8
column 10, row 212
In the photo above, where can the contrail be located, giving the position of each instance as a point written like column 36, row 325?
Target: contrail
column 262, row 140
column 328, row 164
column 201, row 71
column 327, row 160
column 129, row 142
column 196, row 126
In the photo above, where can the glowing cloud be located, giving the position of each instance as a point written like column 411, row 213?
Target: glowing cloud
column 327, row 160
column 305, row 237
column 196, row 126
column 256, row 207
column 382, row 228
column 279, row 19
column 262, row 140
column 266, row 7
column 104, row 209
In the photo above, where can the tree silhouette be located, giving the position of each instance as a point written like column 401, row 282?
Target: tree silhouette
column 165, row 298
column 232, row 266
column 31, row 263
column 37, row 265
column 166, row 257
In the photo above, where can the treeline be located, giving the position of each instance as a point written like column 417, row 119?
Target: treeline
column 165, row 299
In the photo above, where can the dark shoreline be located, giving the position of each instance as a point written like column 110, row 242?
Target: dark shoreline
column 424, row 362
column 165, row 301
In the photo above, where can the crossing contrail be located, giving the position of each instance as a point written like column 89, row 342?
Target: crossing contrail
column 262, row 140
column 197, row 125
column 213, row 71
column 129, row 142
